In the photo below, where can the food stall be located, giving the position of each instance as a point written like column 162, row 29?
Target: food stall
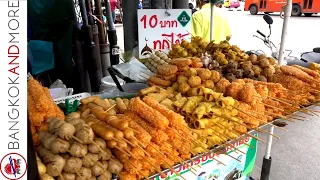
column 198, row 118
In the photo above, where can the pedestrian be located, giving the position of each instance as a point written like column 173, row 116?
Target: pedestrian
column 140, row 5
column 200, row 25
column 113, row 5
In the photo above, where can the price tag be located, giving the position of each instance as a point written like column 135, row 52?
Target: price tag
column 115, row 51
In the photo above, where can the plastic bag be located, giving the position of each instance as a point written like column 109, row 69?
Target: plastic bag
column 59, row 90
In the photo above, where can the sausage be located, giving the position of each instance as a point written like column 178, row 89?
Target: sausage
column 111, row 144
column 128, row 133
column 89, row 99
column 122, row 145
column 116, row 122
column 99, row 112
column 103, row 132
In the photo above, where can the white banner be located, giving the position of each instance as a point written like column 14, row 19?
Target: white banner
column 160, row 28
column 13, row 91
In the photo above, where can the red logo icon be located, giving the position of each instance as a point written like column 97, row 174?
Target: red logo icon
column 13, row 166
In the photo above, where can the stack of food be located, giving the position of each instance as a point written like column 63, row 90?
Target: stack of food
column 40, row 107
column 143, row 134
column 156, row 60
column 70, row 150
column 195, row 48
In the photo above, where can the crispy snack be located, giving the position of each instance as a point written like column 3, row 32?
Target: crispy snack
column 183, row 68
column 181, row 61
column 247, row 93
column 159, row 81
column 148, row 113
column 208, row 84
column 147, row 90
column 167, row 69
column 222, row 85
column 36, row 117
column 234, row 89
column 36, row 90
column 194, row 81
column 215, row 76
column 293, row 71
column 121, row 106
column 183, row 88
column 309, row 71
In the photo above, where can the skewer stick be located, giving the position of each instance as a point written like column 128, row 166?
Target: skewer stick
column 60, row 175
column 77, row 139
column 234, row 132
column 189, row 167
column 110, row 108
column 274, row 107
column 256, row 138
column 139, row 142
column 229, row 144
column 278, row 115
column 279, row 100
column 156, row 168
column 137, row 145
column 78, row 174
column 123, row 151
column 135, row 131
column 135, row 170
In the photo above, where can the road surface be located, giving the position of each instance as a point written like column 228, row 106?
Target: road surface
column 296, row 155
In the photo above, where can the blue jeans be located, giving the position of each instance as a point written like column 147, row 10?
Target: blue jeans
column 113, row 16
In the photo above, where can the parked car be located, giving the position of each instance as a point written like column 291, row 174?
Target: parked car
column 231, row 4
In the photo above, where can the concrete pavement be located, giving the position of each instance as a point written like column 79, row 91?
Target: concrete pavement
column 296, row 154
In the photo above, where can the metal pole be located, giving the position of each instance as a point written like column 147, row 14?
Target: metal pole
column 266, row 164
column 112, row 36
column 211, row 21
column 287, row 14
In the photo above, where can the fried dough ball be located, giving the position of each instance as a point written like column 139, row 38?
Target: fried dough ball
column 264, row 63
column 209, row 84
column 175, row 86
column 257, row 70
column 182, row 79
column 204, row 74
column 271, row 60
column 215, row 76
column 194, row 81
column 238, row 73
column 248, row 73
column 268, row 72
column 183, row 88
column 190, row 72
column 262, row 56
column 253, row 58
column 247, row 93
column 234, row 89
column 246, row 65
column 222, row 84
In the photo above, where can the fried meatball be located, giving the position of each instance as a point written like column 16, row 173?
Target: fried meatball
column 248, row 73
column 194, row 81
column 264, row 63
column 222, row 84
column 262, row 78
column 261, row 56
column 253, row 58
column 238, row 73
column 204, row 74
column 234, row 89
column 215, row 76
column 232, row 65
column 247, row 93
column 182, row 79
column 268, row 72
column 190, row 72
column 257, row 70
column 246, row 65
column 208, row 84
column 271, row 60
column 230, row 77
column 183, row 88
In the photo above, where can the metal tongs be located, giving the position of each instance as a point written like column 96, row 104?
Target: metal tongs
column 114, row 73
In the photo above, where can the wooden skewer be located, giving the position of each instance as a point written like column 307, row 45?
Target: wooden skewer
column 279, row 100
column 135, row 170
column 234, row 132
column 274, row 107
column 60, row 175
column 194, row 139
column 77, row 139
column 256, row 138
column 139, row 142
column 190, row 168
column 278, row 115
column 110, row 108
column 138, row 147
column 135, row 131
column 78, row 174
column 123, row 151
column 229, row 144
column 156, row 168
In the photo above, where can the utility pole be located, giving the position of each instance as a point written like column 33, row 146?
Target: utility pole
column 180, row 4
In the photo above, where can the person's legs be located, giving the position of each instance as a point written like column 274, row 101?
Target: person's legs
column 114, row 16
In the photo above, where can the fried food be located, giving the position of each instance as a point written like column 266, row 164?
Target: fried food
column 204, row 74
column 183, row 88
column 215, row 76
column 159, row 81
column 181, row 61
column 234, row 89
column 247, row 93
column 208, row 84
column 182, row 79
column 293, row 71
column 194, row 81
column 167, row 69
column 190, row 72
column 222, row 85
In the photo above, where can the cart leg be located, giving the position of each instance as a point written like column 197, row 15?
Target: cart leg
column 266, row 164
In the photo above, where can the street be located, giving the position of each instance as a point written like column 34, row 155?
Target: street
column 295, row 155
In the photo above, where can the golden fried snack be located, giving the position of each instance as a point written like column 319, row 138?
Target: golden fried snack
column 36, row 117
column 194, row 81
column 36, row 91
column 208, row 84
column 155, row 85
column 193, row 92
column 177, row 105
column 167, row 69
column 157, row 96
column 190, row 72
column 197, row 65
column 293, row 71
column 222, row 85
column 183, row 88
column 182, row 79
column 234, row 89
column 215, row 76
column 181, row 61
column 247, row 93
column 183, row 68
column 204, row 74
column 159, row 81
column 175, row 86
column 166, row 77
column 121, row 106
column 148, row 113
column 147, row 90
column 308, row 71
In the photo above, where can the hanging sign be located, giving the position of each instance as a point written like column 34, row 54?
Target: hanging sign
column 211, row 168
column 160, row 28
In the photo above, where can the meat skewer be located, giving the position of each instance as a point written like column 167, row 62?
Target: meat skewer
column 62, row 129
column 53, row 143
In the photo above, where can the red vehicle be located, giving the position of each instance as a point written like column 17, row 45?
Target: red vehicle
column 299, row 7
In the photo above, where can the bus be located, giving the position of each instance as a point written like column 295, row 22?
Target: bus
column 299, row 7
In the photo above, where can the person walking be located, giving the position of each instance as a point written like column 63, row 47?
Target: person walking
column 200, row 22
column 113, row 5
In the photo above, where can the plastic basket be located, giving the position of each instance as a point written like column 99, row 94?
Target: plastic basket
column 72, row 98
